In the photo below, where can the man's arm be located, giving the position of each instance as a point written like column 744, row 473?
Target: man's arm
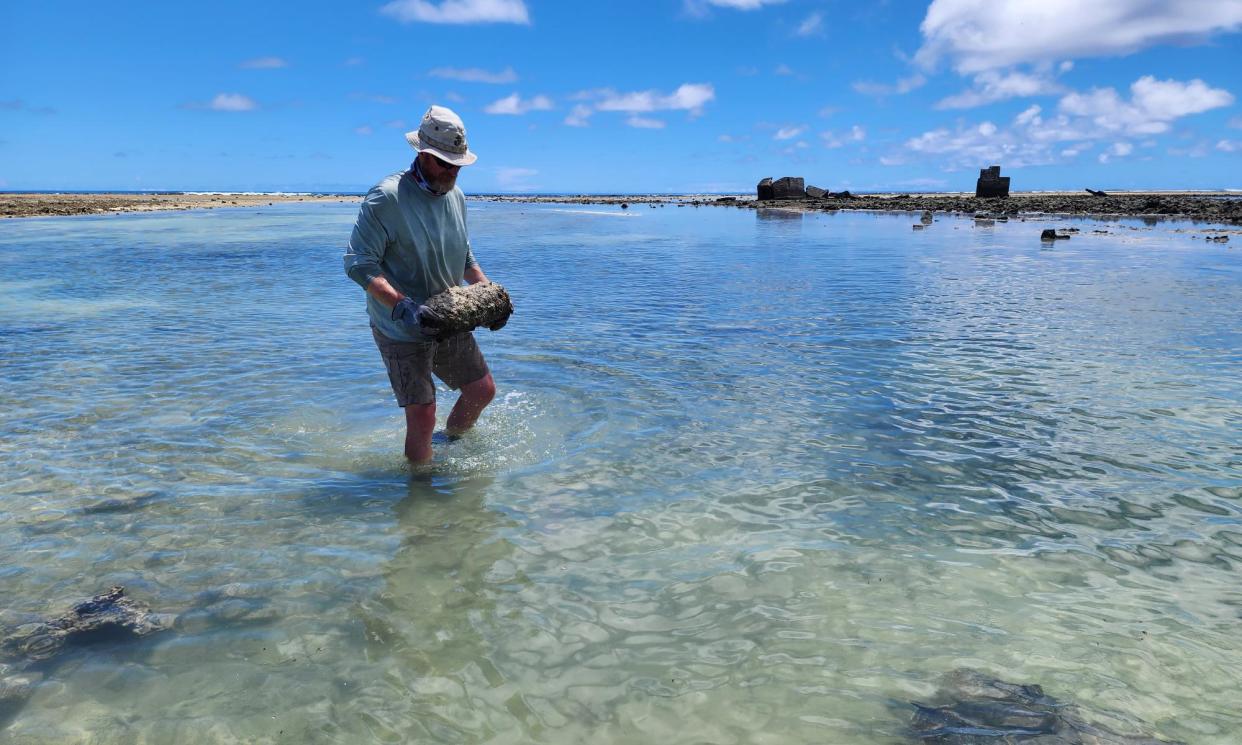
column 368, row 242
column 474, row 275
column 383, row 291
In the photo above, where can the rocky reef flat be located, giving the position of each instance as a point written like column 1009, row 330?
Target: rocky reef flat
column 52, row 205
column 1212, row 207
column 1202, row 206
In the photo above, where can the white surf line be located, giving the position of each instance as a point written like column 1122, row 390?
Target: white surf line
column 593, row 212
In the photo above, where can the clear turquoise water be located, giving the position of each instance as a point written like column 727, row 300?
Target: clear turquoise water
column 750, row 478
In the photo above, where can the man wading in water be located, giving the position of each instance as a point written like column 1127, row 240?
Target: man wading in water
column 408, row 244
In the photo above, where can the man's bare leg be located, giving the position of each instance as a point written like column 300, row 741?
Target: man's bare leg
column 474, row 398
column 420, row 420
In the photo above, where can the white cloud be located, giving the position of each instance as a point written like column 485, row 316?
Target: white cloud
column 458, row 11
column 365, row 130
column 396, row 124
column 688, row 97
column 978, row 35
column 1081, row 120
column 1075, row 151
column 232, row 102
column 901, row 87
column 992, row 86
column 475, row 75
column 644, row 123
column 788, row 133
column 812, row 25
column 834, row 140
column 515, row 179
column 724, row 138
column 579, row 117
column 696, row 6
column 1229, row 146
column 1152, row 106
column 513, row 104
column 783, row 69
column 264, row 63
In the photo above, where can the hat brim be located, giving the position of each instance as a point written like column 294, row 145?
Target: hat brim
column 457, row 159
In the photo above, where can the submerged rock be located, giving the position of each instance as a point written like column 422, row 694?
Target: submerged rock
column 467, row 308
column 112, row 612
column 974, row 709
column 1051, row 235
column 33, row 644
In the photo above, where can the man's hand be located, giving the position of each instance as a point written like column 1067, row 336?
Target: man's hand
column 419, row 320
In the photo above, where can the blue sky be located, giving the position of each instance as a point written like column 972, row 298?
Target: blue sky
column 647, row 96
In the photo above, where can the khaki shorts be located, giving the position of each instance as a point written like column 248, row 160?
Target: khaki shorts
column 457, row 361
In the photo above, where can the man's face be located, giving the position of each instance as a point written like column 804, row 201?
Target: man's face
column 440, row 175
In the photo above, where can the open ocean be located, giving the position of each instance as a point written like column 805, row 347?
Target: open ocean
column 750, row 477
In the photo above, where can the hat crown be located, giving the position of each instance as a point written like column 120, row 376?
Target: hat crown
column 442, row 129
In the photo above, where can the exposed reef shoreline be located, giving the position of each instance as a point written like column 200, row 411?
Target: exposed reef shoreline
column 60, row 205
column 1199, row 206
column 1212, row 207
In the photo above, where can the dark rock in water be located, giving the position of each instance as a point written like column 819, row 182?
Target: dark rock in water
column 918, row 226
column 1217, row 238
column 991, row 183
column 926, row 218
column 814, row 192
column 725, row 200
column 624, row 206
column 112, row 612
column 1095, row 193
column 788, row 187
column 841, row 195
column 467, row 308
column 1051, row 235
column 26, row 653
column 975, row 709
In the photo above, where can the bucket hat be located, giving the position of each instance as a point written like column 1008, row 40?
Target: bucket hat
column 443, row 135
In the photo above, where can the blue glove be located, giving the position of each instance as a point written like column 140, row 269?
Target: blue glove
column 419, row 320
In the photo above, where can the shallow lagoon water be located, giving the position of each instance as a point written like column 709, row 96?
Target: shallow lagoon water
column 751, row 477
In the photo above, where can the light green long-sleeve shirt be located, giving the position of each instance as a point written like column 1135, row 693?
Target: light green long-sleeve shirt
column 417, row 240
